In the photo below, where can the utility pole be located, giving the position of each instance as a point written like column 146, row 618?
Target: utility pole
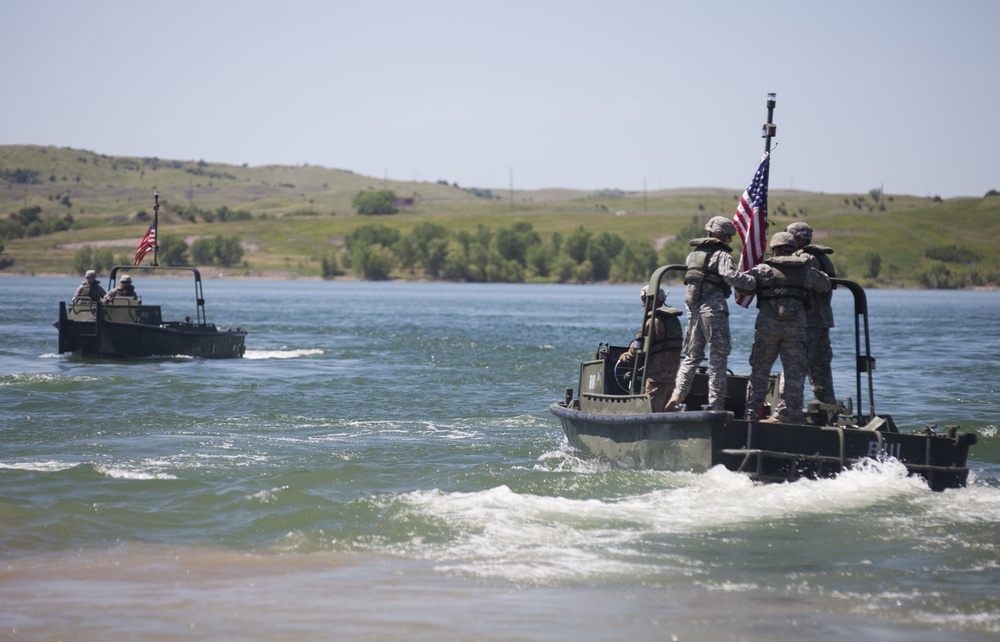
column 512, row 189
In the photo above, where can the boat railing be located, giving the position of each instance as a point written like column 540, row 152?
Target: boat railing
column 82, row 309
column 648, row 335
column 199, row 296
column 122, row 309
column 865, row 362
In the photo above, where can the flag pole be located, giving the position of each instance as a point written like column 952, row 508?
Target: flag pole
column 750, row 218
column 156, row 216
column 769, row 130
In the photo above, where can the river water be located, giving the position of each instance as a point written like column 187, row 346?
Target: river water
column 382, row 465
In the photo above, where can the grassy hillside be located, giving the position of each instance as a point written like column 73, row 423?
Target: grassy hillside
column 297, row 214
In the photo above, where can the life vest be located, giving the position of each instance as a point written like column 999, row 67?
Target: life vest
column 697, row 262
column 789, row 279
column 673, row 337
column 822, row 252
column 88, row 292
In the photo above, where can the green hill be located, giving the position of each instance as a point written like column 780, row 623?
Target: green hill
column 288, row 219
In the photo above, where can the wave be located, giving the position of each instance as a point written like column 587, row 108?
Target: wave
column 580, row 532
column 118, row 471
column 281, row 354
column 40, row 466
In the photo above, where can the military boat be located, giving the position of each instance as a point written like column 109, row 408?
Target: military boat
column 612, row 419
column 125, row 327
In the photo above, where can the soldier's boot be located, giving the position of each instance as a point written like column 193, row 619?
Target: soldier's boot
column 773, row 419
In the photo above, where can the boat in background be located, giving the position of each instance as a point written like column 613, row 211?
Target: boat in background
column 612, row 419
column 125, row 327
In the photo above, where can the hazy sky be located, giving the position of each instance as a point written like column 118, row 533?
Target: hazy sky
column 579, row 94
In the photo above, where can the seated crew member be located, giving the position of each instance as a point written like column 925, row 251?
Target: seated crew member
column 124, row 288
column 665, row 351
column 89, row 290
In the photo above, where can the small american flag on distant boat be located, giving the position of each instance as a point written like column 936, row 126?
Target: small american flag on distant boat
column 147, row 244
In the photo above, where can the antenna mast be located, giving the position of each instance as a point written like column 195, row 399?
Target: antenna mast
column 769, row 130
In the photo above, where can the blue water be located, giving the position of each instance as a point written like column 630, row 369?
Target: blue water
column 382, row 465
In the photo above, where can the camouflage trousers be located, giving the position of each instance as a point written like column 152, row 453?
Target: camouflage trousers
column 819, row 370
column 660, row 379
column 790, row 344
column 712, row 331
column 820, row 356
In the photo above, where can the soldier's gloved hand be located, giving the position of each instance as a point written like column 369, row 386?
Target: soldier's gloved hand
column 765, row 273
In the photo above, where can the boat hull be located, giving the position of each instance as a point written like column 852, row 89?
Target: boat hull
column 674, row 441
column 697, row 441
column 105, row 338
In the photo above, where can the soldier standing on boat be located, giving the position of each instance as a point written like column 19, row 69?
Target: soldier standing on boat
column 783, row 284
column 89, row 290
column 665, row 351
column 710, row 278
column 819, row 316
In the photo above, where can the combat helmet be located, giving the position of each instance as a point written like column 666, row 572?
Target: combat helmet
column 660, row 296
column 720, row 226
column 783, row 240
column 801, row 231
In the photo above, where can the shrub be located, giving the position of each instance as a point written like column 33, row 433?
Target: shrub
column 375, row 203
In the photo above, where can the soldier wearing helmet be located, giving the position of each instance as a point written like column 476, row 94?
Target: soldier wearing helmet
column 783, row 284
column 665, row 337
column 123, row 289
column 89, row 290
column 819, row 316
column 709, row 281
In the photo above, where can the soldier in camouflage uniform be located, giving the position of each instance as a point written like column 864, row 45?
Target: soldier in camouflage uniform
column 710, row 278
column 782, row 284
column 819, row 316
column 89, row 290
column 665, row 351
column 124, row 289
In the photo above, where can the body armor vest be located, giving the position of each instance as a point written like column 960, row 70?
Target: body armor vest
column 822, row 252
column 673, row 338
column 789, row 278
column 697, row 265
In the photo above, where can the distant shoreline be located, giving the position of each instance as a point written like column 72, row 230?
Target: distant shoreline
column 277, row 275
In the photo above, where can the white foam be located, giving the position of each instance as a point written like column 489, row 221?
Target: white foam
column 281, row 354
column 539, row 538
column 122, row 472
column 41, row 466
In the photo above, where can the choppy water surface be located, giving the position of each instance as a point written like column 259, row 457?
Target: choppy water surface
column 382, row 465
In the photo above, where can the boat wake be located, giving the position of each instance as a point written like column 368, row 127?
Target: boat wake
column 281, row 354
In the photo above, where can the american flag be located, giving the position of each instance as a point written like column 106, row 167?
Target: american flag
column 751, row 222
column 147, row 244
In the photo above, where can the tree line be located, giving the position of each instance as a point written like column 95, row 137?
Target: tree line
column 512, row 254
column 172, row 250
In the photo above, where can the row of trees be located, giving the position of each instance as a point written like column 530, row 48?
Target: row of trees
column 28, row 222
column 172, row 251
column 512, row 254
